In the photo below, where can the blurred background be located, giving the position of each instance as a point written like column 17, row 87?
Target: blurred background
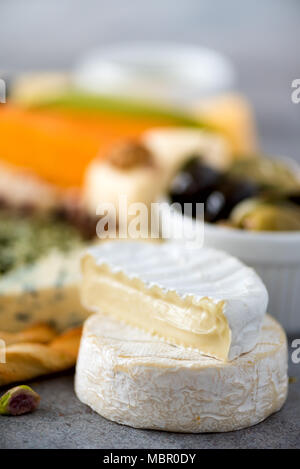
column 261, row 38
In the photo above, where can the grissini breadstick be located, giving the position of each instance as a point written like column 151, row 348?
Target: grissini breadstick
column 25, row 361
column 40, row 332
column 68, row 342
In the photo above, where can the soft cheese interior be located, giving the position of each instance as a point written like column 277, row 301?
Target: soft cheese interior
column 195, row 297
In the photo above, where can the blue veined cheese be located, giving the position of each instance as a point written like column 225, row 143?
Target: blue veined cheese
column 133, row 378
column 46, row 290
column 196, row 297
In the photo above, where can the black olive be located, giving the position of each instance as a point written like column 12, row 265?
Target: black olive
column 230, row 192
column 194, row 183
column 198, row 183
column 194, row 178
column 295, row 198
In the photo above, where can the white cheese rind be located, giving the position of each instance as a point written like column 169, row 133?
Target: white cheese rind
column 198, row 273
column 105, row 184
column 135, row 379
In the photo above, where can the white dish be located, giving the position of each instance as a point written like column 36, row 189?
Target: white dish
column 276, row 259
column 156, row 71
column 274, row 256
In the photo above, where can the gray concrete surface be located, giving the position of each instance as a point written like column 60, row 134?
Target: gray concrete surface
column 262, row 38
column 63, row 422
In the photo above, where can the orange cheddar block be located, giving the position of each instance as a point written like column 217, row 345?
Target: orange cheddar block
column 58, row 144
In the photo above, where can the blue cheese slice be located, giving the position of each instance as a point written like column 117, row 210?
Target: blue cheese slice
column 46, row 290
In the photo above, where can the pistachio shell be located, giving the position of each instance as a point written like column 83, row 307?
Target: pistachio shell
column 19, row 400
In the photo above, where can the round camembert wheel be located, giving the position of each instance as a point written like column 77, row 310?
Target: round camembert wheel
column 135, row 379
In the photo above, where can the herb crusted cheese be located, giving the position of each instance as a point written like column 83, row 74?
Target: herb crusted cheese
column 24, row 239
column 39, row 270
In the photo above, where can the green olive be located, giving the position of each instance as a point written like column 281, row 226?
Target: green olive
column 270, row 174
column 256, row 215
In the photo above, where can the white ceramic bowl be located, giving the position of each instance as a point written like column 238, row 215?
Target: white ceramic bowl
column 274, row 256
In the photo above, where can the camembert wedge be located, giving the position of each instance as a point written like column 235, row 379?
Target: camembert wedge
column 194, row 297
